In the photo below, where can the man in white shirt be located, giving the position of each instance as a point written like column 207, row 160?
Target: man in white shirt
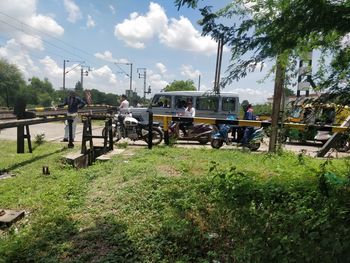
column 189, row 112
column 124, row 104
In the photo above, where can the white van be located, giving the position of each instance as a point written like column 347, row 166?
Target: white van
column 207, row 104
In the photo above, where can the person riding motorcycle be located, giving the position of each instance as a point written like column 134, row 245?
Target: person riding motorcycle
column 190, row 111
column 248, row 115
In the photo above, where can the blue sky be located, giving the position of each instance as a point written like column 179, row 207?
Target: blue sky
column 38, row 35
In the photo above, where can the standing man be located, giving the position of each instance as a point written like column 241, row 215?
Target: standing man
column 124, row 104
column 248, row 115
column 74, row 103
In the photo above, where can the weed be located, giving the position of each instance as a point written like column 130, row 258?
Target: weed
column 39, row 139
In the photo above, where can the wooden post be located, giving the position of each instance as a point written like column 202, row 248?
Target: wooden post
column 70, row 129
column 20, row 139
column 150, row 126
column 166, row 130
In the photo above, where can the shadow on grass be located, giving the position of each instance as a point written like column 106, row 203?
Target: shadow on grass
column 59, row 240
column 34, row 159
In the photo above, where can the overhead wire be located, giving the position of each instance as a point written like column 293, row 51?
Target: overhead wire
column 30, row 30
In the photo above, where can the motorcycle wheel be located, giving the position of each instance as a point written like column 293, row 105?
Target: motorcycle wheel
column 216, row 144
column 254, row 146
column 114, row 132
column 204, row 139
column 157, row 136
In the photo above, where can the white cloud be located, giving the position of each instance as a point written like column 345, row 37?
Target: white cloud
column 46, row 24
column 188, row 72
column 178, row 34
column 21, row 17
column 90, row 22
column 31, row 42
column 15, row 54
column 138, row 29
column 258, row 95
column 111, row 7
column 182, row 35
column 102, row 78
column 156, row 82
column 108, row 56
column 73, row 11
column 51, row 68
column 161, row 67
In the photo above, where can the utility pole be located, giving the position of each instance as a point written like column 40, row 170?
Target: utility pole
column 218, row 66
column 143, row 76
column 199, row 82
column 279, row 82
column 64, row 73
column 130, row 76
column 82, row 73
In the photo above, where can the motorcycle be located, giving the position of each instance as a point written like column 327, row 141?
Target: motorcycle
column 134, row 128
column 219, row 137
column 195, row 132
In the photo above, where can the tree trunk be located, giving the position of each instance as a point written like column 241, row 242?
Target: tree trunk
column 278, row 91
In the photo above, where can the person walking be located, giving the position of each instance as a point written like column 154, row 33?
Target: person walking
column 74, row 103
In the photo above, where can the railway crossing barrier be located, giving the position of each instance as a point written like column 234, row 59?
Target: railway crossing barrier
column 166, row 119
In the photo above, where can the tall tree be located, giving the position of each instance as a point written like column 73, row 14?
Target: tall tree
column 11, row 82
column 283, row 29
column 178, row 85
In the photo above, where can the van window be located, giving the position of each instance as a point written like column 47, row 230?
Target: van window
column 181, row 101
column 228, row 104
column 161, row 101
column 207, row 103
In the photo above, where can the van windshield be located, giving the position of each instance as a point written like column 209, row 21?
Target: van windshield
column 161, row 101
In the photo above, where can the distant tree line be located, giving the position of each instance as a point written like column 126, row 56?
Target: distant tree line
column 38, row 92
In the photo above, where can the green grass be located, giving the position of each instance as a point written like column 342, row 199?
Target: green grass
column 172, row 204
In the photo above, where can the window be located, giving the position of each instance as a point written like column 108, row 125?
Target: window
column 161, row 101
column 181, row 101
column 207, row 103
column 228, row 104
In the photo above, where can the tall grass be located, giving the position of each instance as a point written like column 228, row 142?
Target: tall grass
column 176, row 205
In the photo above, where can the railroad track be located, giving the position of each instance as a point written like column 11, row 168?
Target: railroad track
column 50, row 112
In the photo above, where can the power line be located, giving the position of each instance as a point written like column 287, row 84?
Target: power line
column 45, row 41
column 57, row 39
column 30, row 30
column 44, row 33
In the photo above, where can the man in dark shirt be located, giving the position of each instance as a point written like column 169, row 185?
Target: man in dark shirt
column 74, row 103
column 248, row 115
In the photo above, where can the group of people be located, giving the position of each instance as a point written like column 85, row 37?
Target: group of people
column 190, row 111
column 75, row 103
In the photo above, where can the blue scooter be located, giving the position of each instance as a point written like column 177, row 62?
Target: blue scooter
column 219, row 137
